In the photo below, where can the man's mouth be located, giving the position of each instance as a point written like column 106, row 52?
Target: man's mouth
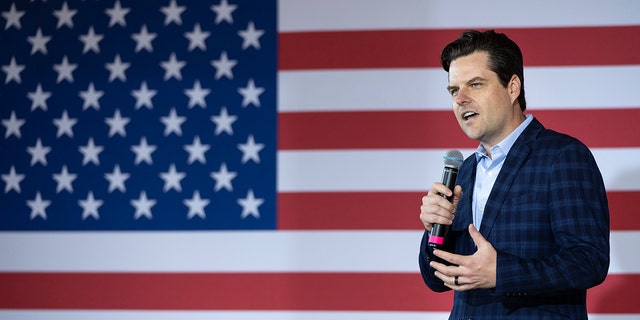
column 468, row 115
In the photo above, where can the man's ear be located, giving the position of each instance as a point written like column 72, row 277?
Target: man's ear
column 514, row 87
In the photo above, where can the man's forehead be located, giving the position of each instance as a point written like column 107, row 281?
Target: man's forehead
column 470, row 67
column 458, row 79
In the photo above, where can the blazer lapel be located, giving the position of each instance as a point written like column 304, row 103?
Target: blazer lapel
column 512, row 164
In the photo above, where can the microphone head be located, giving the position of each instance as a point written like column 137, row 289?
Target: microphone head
column 453, row 158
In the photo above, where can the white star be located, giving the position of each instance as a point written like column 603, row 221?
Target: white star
column 117, row 69
column 90, row 153
column 65, row 16
column 38, row 207
column 39, row 98
column 251, row 36
column 12, row 180
column 172, row 123
column 39, row 42
column 196, row 205
column 223, row 178
column 117, row 179
column 143, row 96
column 143, row 151
column 13, row 71
column 172, row 13
column 250, row 94
column 64, row 70
column 13, row 126
column 143, row 206
column 223, row 11
column 143, row 39
column 65, row 125
column 90, row 206
column 116, row 14
column 223, row 66
column 196, row 95
column 172, row 179
column 250, row 205
column 173, row 67
column 91, row 41
column 64, row 180
column 197, row 37
column 13, row 17
column 116, row 124
column 196, row 151
column 250, row 150
column 38, row 153
column 223, row 122
column 91, row 97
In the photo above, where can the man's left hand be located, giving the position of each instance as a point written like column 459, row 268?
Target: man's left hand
column 468, row 272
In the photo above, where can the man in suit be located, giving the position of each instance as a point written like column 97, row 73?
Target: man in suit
column 535, row 195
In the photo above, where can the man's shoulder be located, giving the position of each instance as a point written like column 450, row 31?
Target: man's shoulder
column 546, row 138
column 551, row 139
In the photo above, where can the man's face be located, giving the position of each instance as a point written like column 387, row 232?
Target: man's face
column 485, row 110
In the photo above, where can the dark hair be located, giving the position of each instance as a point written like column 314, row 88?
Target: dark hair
column 505, row 57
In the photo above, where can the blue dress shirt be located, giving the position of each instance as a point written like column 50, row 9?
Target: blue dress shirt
column 489, row 167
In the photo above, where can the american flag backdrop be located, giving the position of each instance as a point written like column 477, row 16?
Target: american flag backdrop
column 238, row 159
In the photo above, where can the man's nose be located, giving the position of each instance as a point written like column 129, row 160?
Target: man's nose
column 462, row 97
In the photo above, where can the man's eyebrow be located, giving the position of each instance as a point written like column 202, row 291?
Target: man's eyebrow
column 472, row 80
column 476, row 79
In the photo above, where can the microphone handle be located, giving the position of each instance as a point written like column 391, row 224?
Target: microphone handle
column 439, row 231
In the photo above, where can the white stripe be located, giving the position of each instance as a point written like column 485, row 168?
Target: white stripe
column 404, row 170
column 359, row 170
column 272, row 251
column 425, row 89
column 306, row 15
column 210, row 251
column 243, row 315
column 341, row 90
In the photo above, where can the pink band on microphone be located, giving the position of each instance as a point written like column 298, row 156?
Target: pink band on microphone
column 436, row 240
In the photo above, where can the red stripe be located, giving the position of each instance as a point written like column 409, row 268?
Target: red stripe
column 421, row 48
column 258, row 291
column 370, row 130
column 349, row 210
column 597, row 128
column 214, row 291
column 395, row 210
column 617, row 294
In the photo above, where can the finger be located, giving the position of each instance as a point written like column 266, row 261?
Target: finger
column 447, row 280
column 448, row 256
column 457, row 194
column 444, row 272
column 439, row 188
column 456, row 284
column 430, row 215
column 439, row 267
column 477, row 237
column 436, row 209
column 436, row 198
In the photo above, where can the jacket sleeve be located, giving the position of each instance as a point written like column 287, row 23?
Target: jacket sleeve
column 426, row 256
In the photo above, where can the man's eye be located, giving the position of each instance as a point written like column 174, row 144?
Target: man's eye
column 453, row 92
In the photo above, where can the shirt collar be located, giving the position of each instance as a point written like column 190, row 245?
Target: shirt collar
column 502, row 148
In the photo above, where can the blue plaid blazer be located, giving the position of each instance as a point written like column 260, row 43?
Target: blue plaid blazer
column 547, row 217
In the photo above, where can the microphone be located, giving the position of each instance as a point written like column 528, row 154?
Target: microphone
column 452, row 161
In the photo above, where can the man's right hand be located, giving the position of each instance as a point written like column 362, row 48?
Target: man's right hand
column 436, row 209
